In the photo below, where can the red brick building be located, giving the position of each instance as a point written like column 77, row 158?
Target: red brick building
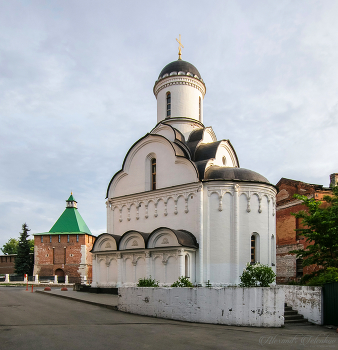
column 65, row 249
column 288, row 267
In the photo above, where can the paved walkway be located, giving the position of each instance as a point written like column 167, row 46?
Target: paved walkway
column 48, row 320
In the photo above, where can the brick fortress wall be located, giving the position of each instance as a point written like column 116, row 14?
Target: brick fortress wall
column 7, row 263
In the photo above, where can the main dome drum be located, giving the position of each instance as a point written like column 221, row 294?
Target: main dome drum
column 179, row 91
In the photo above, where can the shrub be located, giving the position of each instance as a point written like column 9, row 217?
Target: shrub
column 257, row 275
column 324, row 276
column 306, row 278
column 182, row 282
column 147, row 282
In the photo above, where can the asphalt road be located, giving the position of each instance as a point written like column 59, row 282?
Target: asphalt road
column 37, row 321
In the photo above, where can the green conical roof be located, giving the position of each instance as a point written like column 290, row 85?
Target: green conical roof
column 70, row 221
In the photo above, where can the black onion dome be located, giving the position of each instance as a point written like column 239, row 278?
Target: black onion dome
column 180, row 66
column 240, row 174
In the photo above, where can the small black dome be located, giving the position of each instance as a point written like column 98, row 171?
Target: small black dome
column 240, row 174
column 180, row 66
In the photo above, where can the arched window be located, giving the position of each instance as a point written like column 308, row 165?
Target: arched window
column 199, row 108
column 253, row 249
column 273, row 251
column 187, row 266
column 153, row 174
column 168, row 104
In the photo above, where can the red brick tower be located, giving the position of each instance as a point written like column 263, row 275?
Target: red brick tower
column 65, row 249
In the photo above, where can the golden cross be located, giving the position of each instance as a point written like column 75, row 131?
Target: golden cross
column 179, row 47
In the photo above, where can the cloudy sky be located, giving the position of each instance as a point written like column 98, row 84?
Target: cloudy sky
column 76, row 81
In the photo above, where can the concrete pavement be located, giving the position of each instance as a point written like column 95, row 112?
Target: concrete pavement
column 43, row 321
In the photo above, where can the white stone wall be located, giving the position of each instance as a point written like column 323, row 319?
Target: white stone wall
column 257, row 307
column 176, row 208
column 306, row 300
column 125, row 268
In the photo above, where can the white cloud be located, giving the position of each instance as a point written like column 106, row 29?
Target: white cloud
column 76, row 85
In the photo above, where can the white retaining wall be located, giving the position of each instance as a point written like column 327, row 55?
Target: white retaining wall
column 258, row 307
column 306, row 300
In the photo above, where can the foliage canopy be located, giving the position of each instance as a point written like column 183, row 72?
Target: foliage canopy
column 321, row 231
column 257, row 275
column 11, row 247
column 329, row 275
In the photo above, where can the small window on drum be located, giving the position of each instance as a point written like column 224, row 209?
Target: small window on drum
column 199, row 108
column 168, row 104
column 153, row 174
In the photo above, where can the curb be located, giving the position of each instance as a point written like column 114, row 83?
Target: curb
column 3, row 284
column 111, row 307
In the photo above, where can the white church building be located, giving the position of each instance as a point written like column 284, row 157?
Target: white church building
column 181, row 205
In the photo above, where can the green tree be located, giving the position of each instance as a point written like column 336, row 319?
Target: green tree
column 321, row 231
column 31, row 245
column 11, row 247
column 24, row 261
